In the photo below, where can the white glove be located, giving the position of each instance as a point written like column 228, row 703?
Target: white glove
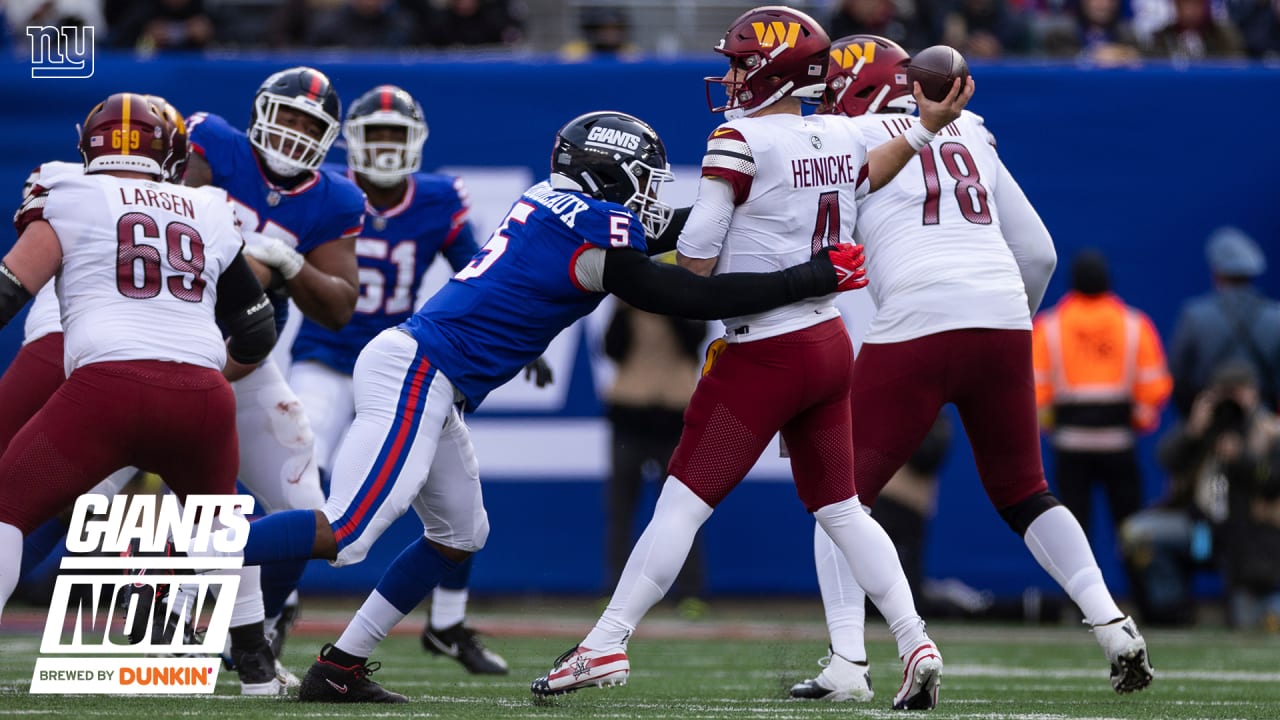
column 274, row 253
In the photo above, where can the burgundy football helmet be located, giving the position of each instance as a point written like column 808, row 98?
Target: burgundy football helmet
column 127, row 131
column 780, row 51
column 868, row 74
column 174, row 166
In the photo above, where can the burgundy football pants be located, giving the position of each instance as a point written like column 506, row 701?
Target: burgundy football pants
column 899, row 388
column 173, row 419
column 797, row 383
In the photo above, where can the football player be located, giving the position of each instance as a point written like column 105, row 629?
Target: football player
column 410, row 218
column 37, row 370
column 566, row 242
column 776, row 188
column 300, row 224
column 146, row 272
column 959, row 261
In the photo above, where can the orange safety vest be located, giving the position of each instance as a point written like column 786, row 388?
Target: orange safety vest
column 1100, row 369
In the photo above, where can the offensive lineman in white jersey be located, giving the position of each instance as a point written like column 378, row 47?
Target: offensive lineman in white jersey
column 145, row 270
column 777, row 187
column 959, row 261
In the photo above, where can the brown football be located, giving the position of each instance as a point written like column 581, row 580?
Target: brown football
column 936, row 69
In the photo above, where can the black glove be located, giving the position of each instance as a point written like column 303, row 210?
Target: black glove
column 539, row 372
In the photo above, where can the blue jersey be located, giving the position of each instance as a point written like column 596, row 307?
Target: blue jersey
column 501, row 311
column 323, row 208
column 394, row 250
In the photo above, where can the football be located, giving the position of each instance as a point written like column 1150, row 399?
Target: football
column 936, row 69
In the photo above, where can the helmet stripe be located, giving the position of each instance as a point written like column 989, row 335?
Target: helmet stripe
column 124, row 124
column 386, row 99
column 316, row 84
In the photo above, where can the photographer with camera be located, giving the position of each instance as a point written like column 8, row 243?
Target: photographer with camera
column 1223, row 509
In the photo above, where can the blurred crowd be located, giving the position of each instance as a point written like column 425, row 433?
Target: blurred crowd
column 1102, row 32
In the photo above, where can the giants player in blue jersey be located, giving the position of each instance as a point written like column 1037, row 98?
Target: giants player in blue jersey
column 411, row 217
column 300, row 223
column 565, row 244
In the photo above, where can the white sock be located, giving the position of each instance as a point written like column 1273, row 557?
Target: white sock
column 248, row 607
column 653, row 565
column 372, row 622
column 1059, row 544
column 875, row 566
column 448, row 607
column 10, row 561
column 842, row 599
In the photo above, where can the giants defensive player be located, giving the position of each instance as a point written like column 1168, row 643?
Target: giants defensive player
column 565, row 243
column 411, row 217
column 145, row 272
column 777, row 187
column 959, row 261
column 301, row 223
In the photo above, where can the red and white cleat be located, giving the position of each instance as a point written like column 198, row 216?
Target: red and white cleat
column 582, row 667
column 921, row 676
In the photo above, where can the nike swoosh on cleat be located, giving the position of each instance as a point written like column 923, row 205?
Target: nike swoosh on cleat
column 451, row 649
column 340, row 688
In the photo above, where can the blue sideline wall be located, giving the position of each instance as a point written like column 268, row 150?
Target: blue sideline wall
column 1142, row 163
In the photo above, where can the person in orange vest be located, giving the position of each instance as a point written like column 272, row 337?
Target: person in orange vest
column 1101, row 379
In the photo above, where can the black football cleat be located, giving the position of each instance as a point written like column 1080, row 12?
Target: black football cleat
column 460, row 643
column 329, row 682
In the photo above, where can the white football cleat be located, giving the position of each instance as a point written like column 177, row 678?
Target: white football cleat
column 921, row 676
column 1127, row 652
column 581, row 667
column 839, row 680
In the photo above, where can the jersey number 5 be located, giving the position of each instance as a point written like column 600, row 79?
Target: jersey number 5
column 138, row 266
column 497, row 244
column 971, row 196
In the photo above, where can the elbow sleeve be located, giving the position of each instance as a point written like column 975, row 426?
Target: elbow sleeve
column 245, row 313
column 252, row 332
column 12, row 295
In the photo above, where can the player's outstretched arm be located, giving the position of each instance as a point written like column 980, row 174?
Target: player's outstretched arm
column 887, row 159
column 668, row 290
column 327, row 287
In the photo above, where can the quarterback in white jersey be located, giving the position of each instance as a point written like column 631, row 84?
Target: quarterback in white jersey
column 145, row 271
column 777, row 189
column 958, row 261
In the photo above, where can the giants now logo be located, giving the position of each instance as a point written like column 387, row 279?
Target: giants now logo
column 775, row 33
column 110, row 609
column 849, row 56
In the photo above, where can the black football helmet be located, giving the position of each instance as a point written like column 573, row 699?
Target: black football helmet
column 385, row 163
column 285, row 150
column 615, row 157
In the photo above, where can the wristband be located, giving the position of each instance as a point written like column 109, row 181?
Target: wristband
column 918, row 136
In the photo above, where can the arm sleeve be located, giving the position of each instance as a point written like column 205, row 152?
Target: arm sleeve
column 245, row 313
column 666, row 242
column 670, row 290
column 703, row 234
column 1027, row 237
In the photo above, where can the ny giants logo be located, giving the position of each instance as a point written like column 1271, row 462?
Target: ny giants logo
column 146, row 548
column 61, row 53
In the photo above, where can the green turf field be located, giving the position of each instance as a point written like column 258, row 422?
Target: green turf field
column 737, row 667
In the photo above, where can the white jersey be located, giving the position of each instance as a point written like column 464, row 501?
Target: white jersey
column 44, row 316
column 140, row 268
column 936, row 257
column 796, row 183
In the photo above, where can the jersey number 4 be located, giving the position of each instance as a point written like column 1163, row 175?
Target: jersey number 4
column 138, row 265
column 971, row 196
